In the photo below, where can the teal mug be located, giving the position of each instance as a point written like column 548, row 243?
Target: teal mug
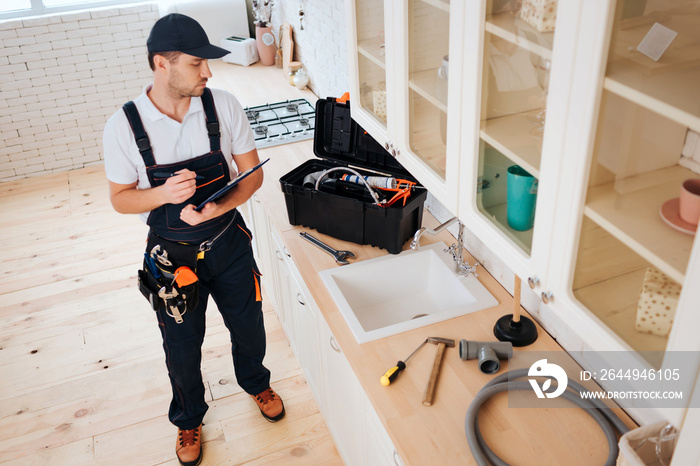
column 522, row 197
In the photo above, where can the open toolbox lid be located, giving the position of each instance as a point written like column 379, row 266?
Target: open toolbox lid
column 338, row 137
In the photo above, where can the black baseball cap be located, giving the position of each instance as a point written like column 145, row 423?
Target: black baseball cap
column 179, row 33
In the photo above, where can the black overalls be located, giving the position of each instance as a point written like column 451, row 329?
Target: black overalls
column 227, row 271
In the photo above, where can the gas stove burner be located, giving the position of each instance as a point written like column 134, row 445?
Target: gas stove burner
column 281, row 122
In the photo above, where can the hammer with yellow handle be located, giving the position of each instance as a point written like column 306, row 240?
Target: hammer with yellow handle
column 392, row 373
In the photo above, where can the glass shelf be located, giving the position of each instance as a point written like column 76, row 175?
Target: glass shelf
column 371, row 60
column 608, row 283
column 629, row 210
column 668, row 86
column 516, row 31
column 676, row 103
column 373, row 88
column 425, row 135
column 443, row 5
column 373, row 51
column 517, row 59
column 645, row 111
column 425, row 83
column 512, row 136
column 428, row 48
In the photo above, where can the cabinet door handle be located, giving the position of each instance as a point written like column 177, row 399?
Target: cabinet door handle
column 301, row 301
column 534, row 282
column 547, row 297
column 334, row 344
column 256, row 198
column 278, row 254
column 286, row 251
column 397, row 460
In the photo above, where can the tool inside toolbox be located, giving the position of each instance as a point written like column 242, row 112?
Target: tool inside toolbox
column 333, row 184
column 389, row 190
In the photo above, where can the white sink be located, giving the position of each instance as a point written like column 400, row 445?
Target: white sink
column 392, row 294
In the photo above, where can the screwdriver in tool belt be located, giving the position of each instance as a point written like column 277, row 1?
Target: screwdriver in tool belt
column 392, row 373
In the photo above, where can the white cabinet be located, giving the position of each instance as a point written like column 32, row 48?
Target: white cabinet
column 356, row 429
column 400, row 91
column 514, row 115
column 342, row 398
column 308, row 352
column 285, row 289
column 358, row 432
column 379, row 449
column 607, row 160
column 466, row 86
column 264, row 249
column 628, row 117
column 300, row 314
column 596, row 126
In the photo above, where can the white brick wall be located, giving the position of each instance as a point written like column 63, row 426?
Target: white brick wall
column 321, row 45
column 61, row 77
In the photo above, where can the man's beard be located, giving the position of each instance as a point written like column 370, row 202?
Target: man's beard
column 177, row 89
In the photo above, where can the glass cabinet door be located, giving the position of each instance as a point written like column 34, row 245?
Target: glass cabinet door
column 371, row 58
column 517, row 58
column 634, row 242
column 428, row 74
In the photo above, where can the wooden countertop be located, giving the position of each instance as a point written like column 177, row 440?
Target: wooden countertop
column 422, row 435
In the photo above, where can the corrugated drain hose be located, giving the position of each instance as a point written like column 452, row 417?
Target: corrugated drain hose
column 603, row 415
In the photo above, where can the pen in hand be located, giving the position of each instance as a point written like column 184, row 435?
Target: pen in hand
column 168, row 175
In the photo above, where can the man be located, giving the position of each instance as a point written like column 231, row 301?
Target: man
column 166, row 153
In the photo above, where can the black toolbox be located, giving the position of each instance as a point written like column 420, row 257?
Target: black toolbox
column 346, row 213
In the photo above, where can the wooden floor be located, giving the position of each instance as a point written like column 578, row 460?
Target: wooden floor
column 82, row 373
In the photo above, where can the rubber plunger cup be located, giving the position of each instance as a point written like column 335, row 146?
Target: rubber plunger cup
column 517, row 329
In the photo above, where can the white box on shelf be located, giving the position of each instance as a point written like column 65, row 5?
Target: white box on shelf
column 540, row 14
column 379, row 103
column 657, row 303
column 243, row 50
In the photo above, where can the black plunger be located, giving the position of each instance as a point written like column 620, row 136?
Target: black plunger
column 517, row 329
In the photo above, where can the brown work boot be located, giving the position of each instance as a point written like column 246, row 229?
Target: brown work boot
column 189, row 446
column 270, row 405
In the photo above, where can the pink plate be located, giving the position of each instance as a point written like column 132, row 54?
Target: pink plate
column 670, row 213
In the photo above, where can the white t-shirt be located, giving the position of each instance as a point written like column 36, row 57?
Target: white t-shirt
column 172, row 141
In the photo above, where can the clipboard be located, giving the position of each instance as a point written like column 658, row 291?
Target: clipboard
column 230, row 185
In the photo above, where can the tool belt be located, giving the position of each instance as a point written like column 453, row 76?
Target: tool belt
column 168, row 277
column 169, row 274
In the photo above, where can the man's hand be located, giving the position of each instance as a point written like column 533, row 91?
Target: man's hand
column 209, row 211
column 180, row 187
column 231, row 200
column 128, row 199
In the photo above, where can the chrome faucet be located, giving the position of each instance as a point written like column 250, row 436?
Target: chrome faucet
column 462, row 267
